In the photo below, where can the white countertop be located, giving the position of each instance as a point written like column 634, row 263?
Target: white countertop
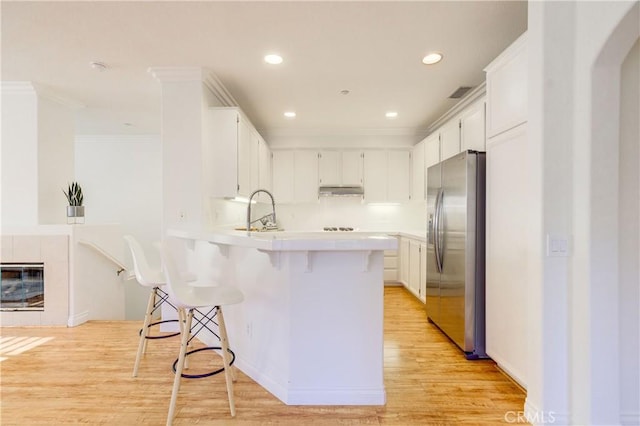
column 294, row 241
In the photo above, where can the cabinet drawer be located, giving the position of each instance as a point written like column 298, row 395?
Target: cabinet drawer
column 391, row 275
column 390, row 262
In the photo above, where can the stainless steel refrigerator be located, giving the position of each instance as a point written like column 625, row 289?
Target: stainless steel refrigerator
column 456, row 250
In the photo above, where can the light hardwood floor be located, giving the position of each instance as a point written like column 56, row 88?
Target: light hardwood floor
column 83, row 375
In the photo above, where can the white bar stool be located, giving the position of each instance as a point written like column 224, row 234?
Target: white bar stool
column 148, row 277
column 188, row 299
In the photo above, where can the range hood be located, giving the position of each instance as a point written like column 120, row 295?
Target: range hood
column 341, row 191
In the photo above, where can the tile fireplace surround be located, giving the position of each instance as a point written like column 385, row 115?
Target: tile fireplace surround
column 80, row 283
column 53, row 251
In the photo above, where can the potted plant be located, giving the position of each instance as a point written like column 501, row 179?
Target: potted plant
column 75, row 209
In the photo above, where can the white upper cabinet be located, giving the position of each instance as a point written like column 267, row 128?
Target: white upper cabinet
column 507, row 89
column 340, row 167
column 232, row 151
column 329, row 168
column 472, row 127
column 352, row 167
column 264, row 165
column 295, row 176
column 306, row 176
column 283, row 176
column 399, row 176
column 432, row 150
column 418, row 192
column 375, row 176
column 450, row 139
column 387, row 176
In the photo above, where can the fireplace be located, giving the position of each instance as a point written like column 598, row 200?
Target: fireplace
column 22, row 287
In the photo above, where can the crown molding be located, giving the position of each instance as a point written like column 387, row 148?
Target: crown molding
column 41, row 91
column 219, row 90
column 177, row 73
column 475, row 94
column 17, row 87
column 385, row 131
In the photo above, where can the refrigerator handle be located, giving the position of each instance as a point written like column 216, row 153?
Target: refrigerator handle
column 436, row 230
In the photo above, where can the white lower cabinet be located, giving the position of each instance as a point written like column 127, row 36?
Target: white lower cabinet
column 413, row 266
column 403, row 246
column 390, row 266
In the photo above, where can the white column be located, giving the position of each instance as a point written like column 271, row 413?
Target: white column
column 185, row 96
column 37, row 154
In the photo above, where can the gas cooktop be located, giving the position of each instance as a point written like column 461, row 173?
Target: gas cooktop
column 337, row 228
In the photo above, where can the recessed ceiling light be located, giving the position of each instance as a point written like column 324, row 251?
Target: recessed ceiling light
column 344, row 92
column 128, row 124
column 391, row 114
column 273, row 59
column 290, row 114
column 99, row 66
column 432, row 58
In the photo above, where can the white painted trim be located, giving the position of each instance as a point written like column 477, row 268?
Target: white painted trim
column 474, row 95
column 511, row 51
column 77, row 319
column 263, row 380
column 629, row 418
column 337, row 397
column 537, row 417
column 28, row 87
column 17, row 87
column 219, row 90
column 392, row 131
column 177, row 73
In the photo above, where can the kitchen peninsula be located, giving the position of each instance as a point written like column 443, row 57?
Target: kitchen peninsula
column 310, row 329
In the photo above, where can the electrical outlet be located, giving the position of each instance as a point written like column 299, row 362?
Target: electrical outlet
column 557, row 245
column 249, row 330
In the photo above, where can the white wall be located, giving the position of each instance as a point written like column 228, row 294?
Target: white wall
column 37, row 155
column 576, row 51
column 56, row 131
column 19, row 155
column 328, row 211
column 121, row 178
column 629, row 243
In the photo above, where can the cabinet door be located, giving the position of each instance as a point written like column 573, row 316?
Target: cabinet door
column 306, row 176
column 418, row 172
column 264, row 168
column 375, row 176
column 352, row 167
column 450, row 139
column 283, row 176
column 254, row 175
column 423, row 273
column 432, row 150
column 414, row 267
column 398, row 176
column 329, row 167
column 472, row 132
column 221, row 151
column 404, row 261
column 244, row 158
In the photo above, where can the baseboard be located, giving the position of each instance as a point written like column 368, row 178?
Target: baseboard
column 263, row 380
column 628, row 419
column 337, row 397
column 75, row 320
column 535, row 416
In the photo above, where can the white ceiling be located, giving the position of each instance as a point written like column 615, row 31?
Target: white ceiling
column 373, row 49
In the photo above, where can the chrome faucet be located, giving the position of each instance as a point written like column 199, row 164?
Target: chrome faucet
column 268, row 220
